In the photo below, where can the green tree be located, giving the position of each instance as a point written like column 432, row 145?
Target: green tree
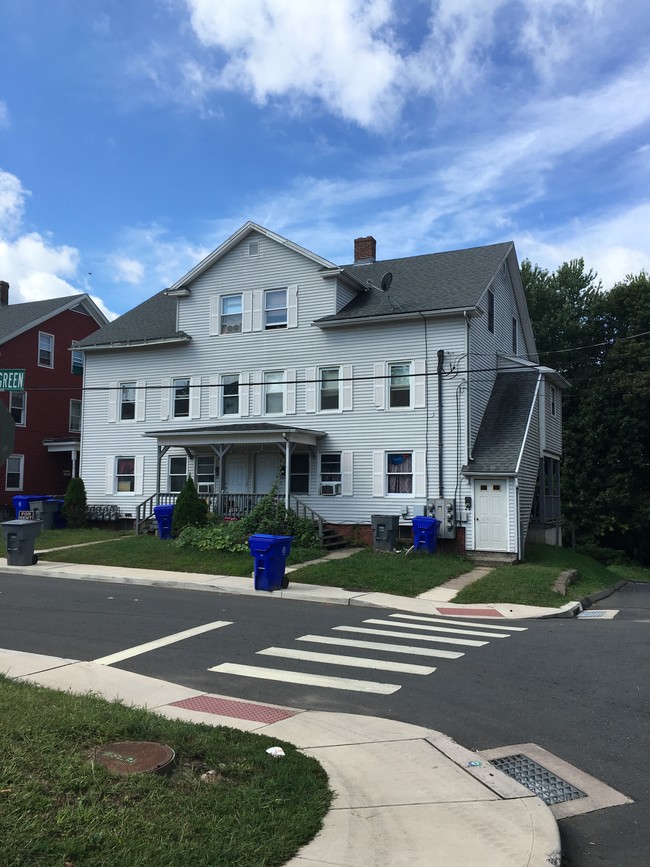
column 75, row 503
column 190, row 509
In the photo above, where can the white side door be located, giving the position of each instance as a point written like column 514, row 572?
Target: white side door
column 490, row 515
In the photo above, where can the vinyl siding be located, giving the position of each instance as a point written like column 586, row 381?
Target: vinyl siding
column 528, row 470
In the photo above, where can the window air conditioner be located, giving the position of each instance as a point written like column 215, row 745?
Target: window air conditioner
column 205, row 488
column 329, row 490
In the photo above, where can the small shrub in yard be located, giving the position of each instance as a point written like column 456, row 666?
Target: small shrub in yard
column 75, row 503
column 190, row 510
column 219, row 537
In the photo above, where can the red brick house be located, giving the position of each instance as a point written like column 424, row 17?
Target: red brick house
column 37, row 337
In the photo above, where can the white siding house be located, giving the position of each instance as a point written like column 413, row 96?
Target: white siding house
column 398, row 387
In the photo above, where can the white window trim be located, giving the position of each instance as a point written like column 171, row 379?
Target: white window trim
column 21, row 460
column 169, row 472
column 22, row 423
column 38, row 357
column 111, row 476
column 346, row 484
column 379, row 480
column 70, row 428
column 72, row 354
column 283, row 384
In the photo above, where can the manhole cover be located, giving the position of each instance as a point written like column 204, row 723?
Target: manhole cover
column 547, row 786
column 135, row 757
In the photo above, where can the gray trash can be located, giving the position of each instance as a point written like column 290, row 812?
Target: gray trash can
column 19, row 537
column 45, row 511
column 385, row 530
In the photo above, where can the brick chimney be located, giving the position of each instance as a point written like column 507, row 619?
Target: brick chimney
column 365, row 250
column 4, row 293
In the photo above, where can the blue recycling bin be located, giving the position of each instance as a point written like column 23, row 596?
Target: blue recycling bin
column 270, row 554
column 22, row 502
column 164, row 515
column 425, row 533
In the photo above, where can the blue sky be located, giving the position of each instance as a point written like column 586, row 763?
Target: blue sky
column 135, row 137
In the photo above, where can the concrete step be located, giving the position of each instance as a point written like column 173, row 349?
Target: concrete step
column 491, row 558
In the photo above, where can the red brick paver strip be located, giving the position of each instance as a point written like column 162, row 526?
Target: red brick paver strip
column 475, row 612
column 237, row 709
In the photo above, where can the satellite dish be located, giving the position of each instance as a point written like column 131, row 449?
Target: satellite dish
column 386, row 280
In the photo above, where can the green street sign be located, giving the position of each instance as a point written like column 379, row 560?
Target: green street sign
column 7, row 430
column 12, row 380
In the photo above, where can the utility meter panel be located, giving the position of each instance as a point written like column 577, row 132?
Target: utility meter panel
column 444, row 511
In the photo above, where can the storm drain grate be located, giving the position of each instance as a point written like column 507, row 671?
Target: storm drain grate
column 547, row 786
column 592, row 614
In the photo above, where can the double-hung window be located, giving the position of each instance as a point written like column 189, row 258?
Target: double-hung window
column 77, row 361
column 275, row 309
column 329, row 388
column 125, row 475
column 274, row 392
column 330, row 474
column 399, row 473
column 206, row 473
column 230, row 394
column 177, row 473
column 18, row 407
column 399, row 385
column 45, row 349
column 231, row 314
column 75, row 416
column 181, row 396
column 14, row 472
column 127, row 401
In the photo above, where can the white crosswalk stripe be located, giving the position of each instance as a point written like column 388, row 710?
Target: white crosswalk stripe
column 437, row 628
column 378, row 645
column 339, row 659
column 306, row 679
column 447, row 622
column 465, row 642
column 413, row 632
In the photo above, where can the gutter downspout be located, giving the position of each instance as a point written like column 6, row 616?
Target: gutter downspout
column 441, row 361
column 520, row 553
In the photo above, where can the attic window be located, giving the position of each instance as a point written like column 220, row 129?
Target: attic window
column 253, row 248
column 490, row 310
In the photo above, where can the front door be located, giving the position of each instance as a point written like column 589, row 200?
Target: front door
column 267, row 470
column 236, row 473
column 490, row 516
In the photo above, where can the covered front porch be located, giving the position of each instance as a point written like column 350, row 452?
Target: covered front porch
column 234, row 466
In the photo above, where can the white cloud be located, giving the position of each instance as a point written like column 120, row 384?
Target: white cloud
column 126, row 269
column 12, row 202
column 4, row 114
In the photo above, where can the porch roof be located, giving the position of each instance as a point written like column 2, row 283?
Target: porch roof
column 255, row 433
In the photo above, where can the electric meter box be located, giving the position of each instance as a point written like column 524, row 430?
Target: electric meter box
column 444, row 510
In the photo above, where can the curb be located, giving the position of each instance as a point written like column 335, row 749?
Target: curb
column 588, row 601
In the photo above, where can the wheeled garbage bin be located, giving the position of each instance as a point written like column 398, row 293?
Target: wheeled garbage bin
column 45, row 511
column 164, row 515
column 270, row 554
column 425, row 533
column 19, row 538
column 385, row 529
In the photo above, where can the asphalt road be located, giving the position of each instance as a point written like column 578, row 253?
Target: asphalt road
column 578, row 688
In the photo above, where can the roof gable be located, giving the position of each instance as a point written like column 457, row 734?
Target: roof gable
column 235, row 239
column 15, row 319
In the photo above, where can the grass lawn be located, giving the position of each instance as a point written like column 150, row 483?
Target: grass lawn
column 56, row 538
column 386, row 572
column 530, row 582
column 58, row 807
column 149, row 552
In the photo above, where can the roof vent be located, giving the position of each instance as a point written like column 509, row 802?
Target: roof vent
column 365, row 250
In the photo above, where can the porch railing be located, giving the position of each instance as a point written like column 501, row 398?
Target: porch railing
column 225, row 505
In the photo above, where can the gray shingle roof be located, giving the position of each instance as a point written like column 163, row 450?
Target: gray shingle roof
column 17, row 317
column 503, row 427
column 432, row 282
column 154, row 319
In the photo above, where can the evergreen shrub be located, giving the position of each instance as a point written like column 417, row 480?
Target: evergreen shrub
column 190, row 509
column 75, row 503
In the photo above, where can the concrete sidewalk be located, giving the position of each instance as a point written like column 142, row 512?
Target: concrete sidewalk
column 405, row 796
column 433, row 602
